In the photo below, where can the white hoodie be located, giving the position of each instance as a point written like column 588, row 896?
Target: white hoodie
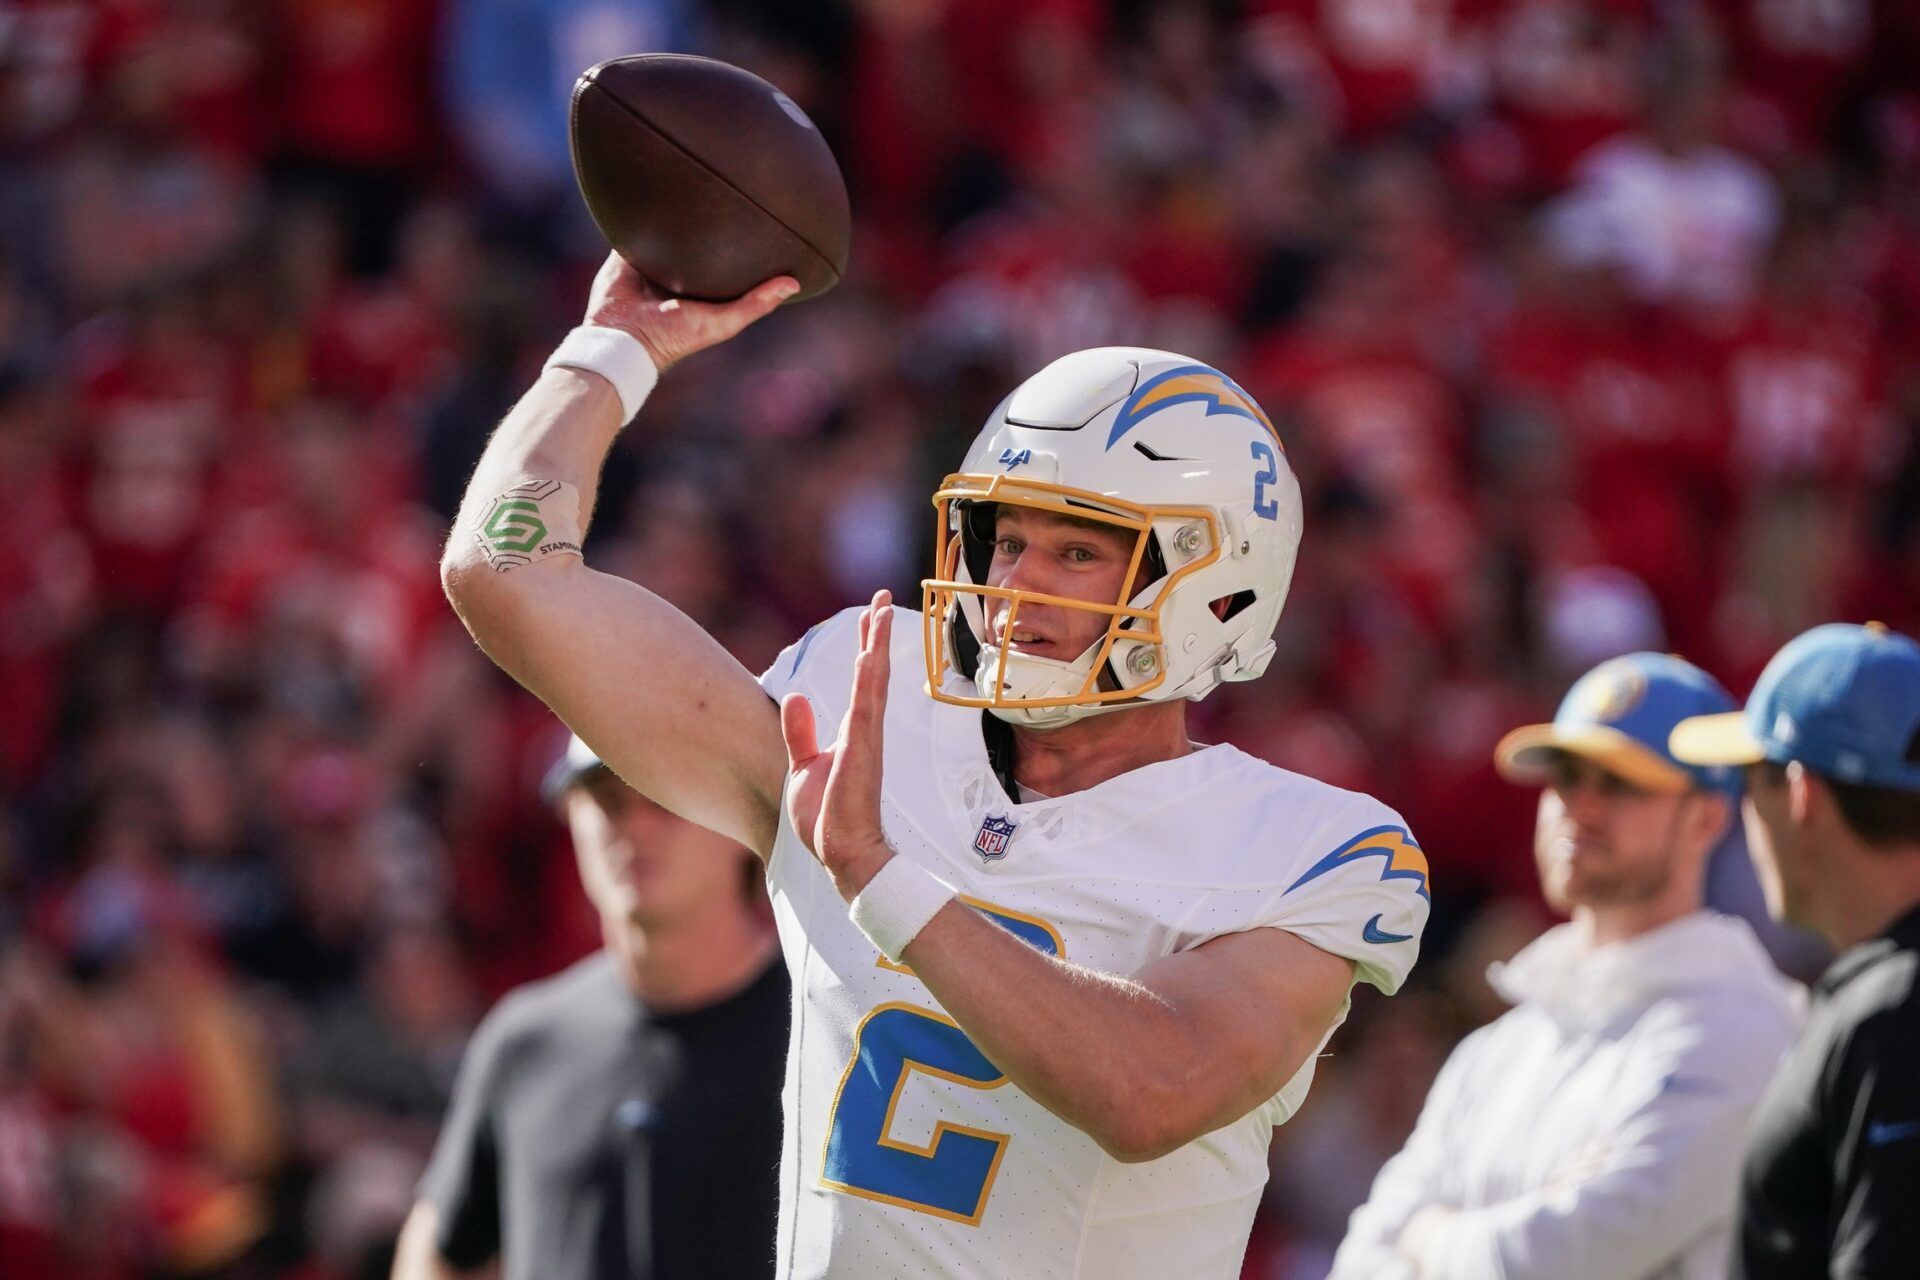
column 1593, row 1132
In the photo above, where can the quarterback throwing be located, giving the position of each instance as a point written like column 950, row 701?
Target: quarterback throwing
column 1057, row 970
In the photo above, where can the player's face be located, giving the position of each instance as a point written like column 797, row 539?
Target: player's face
column 1600, row 841
column 642, row 867
column 1051, row 554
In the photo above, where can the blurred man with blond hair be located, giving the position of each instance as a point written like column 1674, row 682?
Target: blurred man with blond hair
column 1591, row 1132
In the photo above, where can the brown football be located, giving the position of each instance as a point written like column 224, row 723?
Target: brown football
column 706, row 178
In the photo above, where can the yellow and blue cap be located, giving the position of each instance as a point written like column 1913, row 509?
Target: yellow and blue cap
column 1619, row 716
column 1843, row 700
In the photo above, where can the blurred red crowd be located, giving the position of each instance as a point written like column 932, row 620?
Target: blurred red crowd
column 1591, row 325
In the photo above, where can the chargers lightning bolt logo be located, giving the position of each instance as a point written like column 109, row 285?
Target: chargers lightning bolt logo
column 1393, row 845
column 1180, row 385
column 1402, row 860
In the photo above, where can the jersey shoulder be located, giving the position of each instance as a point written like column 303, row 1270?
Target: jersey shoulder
column 1290, row 825
column 820, row 663
column 1335, row 867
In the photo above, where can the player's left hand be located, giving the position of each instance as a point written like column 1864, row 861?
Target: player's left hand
column 833, row 795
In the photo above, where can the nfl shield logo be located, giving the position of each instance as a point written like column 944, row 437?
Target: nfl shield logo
column 991, row 842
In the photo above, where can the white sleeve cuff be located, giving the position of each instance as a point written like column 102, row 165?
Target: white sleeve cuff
column 615, row 355
column 897, row 904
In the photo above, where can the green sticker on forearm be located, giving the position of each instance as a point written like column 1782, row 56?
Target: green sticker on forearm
column 530, row 522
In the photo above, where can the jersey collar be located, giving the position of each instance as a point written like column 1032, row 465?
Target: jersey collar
column 972, row 790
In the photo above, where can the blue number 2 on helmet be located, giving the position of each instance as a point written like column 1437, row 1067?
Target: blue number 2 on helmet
column 1264, row 507
column 951, row 1175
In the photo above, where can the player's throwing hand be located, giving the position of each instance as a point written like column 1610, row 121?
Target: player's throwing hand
column 673, row 328
column 833, row 794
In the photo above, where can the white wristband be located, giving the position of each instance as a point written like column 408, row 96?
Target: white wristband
column 896, row 905
column 615, row 355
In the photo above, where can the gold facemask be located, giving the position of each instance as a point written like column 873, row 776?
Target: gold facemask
column 1137, row 622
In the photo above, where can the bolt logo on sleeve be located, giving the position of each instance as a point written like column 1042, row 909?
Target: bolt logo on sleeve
column 1403, row 858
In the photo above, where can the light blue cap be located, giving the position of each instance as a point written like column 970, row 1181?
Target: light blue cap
column 1844, row 700
column 1619, row 715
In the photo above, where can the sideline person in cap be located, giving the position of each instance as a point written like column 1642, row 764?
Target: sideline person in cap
column 1831, row 742
column 622, row 1119
column 1594, row 1129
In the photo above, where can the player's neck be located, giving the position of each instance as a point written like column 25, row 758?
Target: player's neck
column 1074, row 757
column 692, row 962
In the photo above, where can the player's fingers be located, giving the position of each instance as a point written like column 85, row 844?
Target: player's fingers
column 862, row 738
column 612, row 270
column 881, row 647
column 852, row 713
column 872, row 611
column 870, row 672
column 797, row 727
column 619, row 283
column 730, row 318
column 862, row 682
column 617, row 290
column 772, row 293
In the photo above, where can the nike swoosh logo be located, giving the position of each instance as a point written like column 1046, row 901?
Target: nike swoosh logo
column 1879, row 1135
column 1374, row 933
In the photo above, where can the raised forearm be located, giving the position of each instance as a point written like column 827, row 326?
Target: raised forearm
column 1104, row 1053
column 561, row 430
column 662, row 702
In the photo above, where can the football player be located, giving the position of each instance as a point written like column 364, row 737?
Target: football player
column 1057, row 969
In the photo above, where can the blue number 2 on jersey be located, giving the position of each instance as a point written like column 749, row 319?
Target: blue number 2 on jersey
column 951, row 1175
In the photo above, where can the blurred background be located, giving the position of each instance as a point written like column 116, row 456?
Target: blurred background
column 1591, row 326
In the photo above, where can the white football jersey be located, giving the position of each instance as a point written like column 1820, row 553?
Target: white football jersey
column 906, row 1152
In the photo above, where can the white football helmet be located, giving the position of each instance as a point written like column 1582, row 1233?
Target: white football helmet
column 1142, row 440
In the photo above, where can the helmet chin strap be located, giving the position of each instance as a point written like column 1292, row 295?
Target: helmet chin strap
column 1025, row 676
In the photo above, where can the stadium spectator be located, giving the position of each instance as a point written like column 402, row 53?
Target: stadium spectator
column 1830, row 738
column 358, row 124
column 1591, row 1131
column 1686, row 219
column 623, row 1118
